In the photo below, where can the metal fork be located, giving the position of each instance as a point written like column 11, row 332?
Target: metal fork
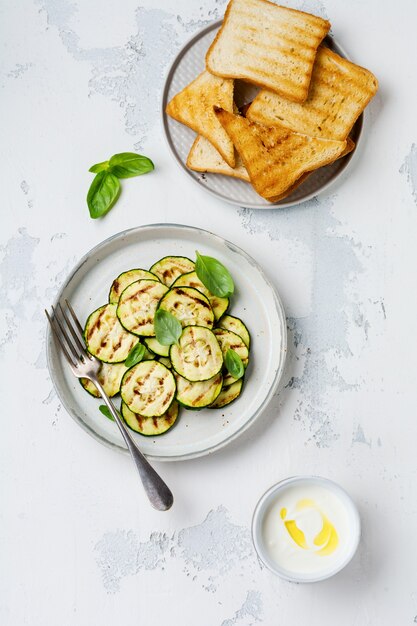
column 69, row 333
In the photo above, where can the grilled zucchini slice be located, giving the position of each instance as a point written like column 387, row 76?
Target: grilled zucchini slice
column 110, row 376
column 219, row 305
column 165, row 361
column 198, row 395
column 105, row 337
column 137, row 306
column 230, row 341
column 170, row 267
column 148, row 356
column 228, row 395
column 189, row 306
column 156, row 347
column 150, row 426
column 197, row 356
column 125, row 279
column 229, row 322
column 148, row 388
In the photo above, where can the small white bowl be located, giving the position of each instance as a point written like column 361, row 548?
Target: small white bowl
column 263, row 507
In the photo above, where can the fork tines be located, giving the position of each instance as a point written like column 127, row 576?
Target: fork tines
column 69, row 333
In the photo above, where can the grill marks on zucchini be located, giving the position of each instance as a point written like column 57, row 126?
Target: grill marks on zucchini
column 219, row 305
column 234, row 324
column 190, row 373
column 189, row 306
column 230, row 341
column 170, row 267
column 110, row 377
column 197, row 356
column 148, row 388
column 125, row 279
column 137, row 306
column 228, row 395
column 150, row 426
column 105, row 337
column 200, row 394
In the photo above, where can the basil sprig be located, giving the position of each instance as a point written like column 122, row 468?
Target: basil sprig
column 99, row 167
column 214, row 275
column 167, row 328
column 234, row 364
column 135, row 355
column 105, row 410
column 103, row 193
column 129, row 164
column 105, row 188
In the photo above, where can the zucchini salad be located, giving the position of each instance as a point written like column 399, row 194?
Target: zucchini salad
column 166, row 341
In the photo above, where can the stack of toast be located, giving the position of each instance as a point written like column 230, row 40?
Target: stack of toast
column 300, row 120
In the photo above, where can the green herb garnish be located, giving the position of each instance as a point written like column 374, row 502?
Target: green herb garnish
column 214, row 276
column 135, row 355
column 234, row 364
column 105, row 188
column 167, row 328
column 99, row 167
column 129, row 164
column 105, row 410
column 103, row 193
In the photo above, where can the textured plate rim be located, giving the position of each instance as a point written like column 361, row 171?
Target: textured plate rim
column 249, row 205
column 279, row 309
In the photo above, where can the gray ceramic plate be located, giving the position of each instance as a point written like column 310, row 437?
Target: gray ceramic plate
column 188, row 63
column 256, row 301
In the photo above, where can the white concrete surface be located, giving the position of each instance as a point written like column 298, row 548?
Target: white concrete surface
column 79, row 543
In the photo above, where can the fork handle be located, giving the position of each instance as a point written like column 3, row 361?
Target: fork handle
column 159, row 494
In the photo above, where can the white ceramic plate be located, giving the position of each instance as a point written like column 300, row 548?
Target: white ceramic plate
column 196, row 432
column 189, row 62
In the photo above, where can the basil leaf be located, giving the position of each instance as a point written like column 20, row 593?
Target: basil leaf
column 214, row 276
column 99, row 167
column 135, row 355
column 234, row 364
column 103, row 193
column 105, row 410
column 128, row 164
column 167, row 328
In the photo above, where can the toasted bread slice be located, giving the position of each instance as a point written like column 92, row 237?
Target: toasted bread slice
column 276, row 157
column 203, row 157
column 193, row 106
column 269, row 45
column 289, row 191
column 339, row 92
column 350, row 146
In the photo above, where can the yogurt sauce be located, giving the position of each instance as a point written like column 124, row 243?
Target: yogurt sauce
column 307, row 529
